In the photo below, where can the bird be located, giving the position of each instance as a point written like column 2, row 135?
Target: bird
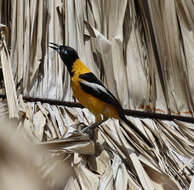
column 91, row 92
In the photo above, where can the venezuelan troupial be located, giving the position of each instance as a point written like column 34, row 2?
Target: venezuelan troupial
column 91, row 92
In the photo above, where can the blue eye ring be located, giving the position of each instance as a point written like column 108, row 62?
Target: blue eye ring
column 65, row 52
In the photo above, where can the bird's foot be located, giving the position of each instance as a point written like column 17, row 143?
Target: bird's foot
column 81, row 126
column 90, row 130
column 90, row 127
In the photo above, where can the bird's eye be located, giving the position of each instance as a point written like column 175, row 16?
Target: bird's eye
column 65, row 52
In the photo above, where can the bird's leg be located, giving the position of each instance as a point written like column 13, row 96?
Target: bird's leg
column 90, row 130
column 81, row 126
column 93, row 126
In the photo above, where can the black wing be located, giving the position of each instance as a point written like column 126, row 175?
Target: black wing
column 90, row 77
column 92, row 85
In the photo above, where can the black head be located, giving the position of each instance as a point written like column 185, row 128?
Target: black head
column 67, row 54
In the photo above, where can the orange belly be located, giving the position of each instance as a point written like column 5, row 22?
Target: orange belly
column 95, row 105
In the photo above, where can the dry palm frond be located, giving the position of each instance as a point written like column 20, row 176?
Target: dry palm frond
column 25, row 166
column 143, row 52
column 7, row 74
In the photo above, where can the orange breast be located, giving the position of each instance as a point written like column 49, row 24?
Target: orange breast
column 95, row 105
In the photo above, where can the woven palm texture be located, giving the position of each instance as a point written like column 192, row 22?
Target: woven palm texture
column 141, row 50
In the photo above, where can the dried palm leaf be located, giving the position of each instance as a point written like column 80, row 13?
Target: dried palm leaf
column 142, row 51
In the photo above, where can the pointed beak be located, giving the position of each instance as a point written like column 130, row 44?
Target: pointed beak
column 54, row 46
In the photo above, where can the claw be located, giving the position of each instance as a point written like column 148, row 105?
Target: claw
column 89, row 128
column 90, row 131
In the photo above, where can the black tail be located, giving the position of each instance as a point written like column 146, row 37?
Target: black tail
column 136, row 130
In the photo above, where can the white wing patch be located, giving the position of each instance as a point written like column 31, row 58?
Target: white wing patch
column 96, row 87
column 100, row 92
